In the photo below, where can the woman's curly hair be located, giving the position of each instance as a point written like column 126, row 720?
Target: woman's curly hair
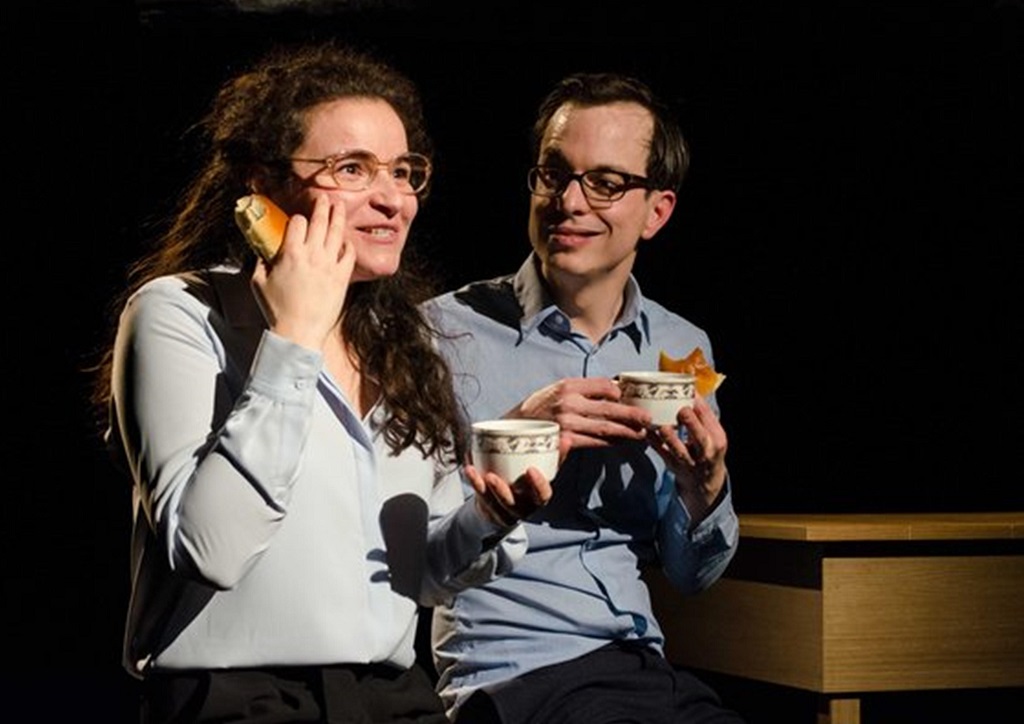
column 257, row 119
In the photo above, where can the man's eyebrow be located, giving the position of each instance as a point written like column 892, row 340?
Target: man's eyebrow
column 552, row 154
column 554, row 157
column 608, row 167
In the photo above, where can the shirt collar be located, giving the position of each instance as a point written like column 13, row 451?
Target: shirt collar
column 535, row 299
column 539, row 308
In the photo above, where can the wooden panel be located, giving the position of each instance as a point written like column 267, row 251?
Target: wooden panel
column 840, row 711
column 801, row 527
column 923, row 623
column 757, row 630
column 883, row 526
column 993, row 526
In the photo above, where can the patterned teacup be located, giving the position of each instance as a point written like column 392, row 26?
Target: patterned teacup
column 509, row 447
column 660, row 393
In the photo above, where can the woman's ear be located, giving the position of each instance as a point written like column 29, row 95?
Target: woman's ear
column 260, row 180
column 265, row 182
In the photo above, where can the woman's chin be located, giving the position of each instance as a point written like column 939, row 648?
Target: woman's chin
column 374, row 271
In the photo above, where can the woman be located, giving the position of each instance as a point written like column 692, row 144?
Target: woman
column 290, row 431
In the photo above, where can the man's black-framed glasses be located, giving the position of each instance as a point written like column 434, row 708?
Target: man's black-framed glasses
column 602, row 187
column 357, row 170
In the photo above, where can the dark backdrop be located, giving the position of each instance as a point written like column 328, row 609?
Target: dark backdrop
column 848, row 236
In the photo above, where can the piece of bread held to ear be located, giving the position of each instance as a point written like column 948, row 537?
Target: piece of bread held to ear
column 262, row 223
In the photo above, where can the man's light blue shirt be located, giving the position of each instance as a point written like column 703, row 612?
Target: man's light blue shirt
column 614, row 512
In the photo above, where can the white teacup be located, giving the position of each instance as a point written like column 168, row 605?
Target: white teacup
column 509, row 447
column 660, row 393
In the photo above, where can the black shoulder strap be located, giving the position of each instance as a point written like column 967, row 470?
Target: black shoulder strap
column 495, row 299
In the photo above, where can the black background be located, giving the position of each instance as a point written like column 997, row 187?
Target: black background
column 848, row 236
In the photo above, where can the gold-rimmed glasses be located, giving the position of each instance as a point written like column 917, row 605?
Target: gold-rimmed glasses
column 357, row 170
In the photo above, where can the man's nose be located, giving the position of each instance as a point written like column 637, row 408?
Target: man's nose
column 573, row 198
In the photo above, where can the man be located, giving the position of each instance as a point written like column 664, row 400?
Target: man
column 569, row 636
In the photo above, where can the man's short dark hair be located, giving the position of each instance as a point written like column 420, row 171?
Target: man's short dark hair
column 668, row 157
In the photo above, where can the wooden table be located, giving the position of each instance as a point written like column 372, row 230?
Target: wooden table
column 845, row 605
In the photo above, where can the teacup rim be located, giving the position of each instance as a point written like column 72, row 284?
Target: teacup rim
column 515, row 427
column 657, row 376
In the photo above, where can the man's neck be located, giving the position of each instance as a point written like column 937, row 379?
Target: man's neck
column 592, row 305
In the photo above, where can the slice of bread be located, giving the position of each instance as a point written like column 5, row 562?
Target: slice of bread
column 262, row 222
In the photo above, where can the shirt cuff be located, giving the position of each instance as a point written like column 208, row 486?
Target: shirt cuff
column 283, row 370
column 719, row 525
column 475, row 525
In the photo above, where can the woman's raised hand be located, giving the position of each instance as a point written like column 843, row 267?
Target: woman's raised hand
column 303, row 291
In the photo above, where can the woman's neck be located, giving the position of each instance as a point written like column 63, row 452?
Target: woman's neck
column 341, row 363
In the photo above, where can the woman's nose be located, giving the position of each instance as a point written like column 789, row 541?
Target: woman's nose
column 384, row 193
